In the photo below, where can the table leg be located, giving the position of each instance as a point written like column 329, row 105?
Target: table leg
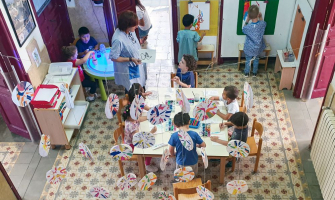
column 222, row 169
column 267, row 59
column 141, row 167
column 239, row 60
column 92, row 79
column 102, row 90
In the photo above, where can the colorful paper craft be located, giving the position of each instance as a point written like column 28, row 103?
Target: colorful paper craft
column 185, row 140
column 205, row 110
column 179, row 97
column 127, row 181
column 121, row 152
column 99, row 192
column 112, row 106
column 238, row 148
column 204, row 157
column 136, row 107
column 159, row 114
column 143, row 140
column 166, row 196
column 204, row 193
column 184, row 174
column 164, row 159
column 248, row 96
column 56, row 174
column 85, row 151
column 68, row 98
column 22, row 94
column 147, row 181
column 44, row 146
column 186, row 106
column 237, row 186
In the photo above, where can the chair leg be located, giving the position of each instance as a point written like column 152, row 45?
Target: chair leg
column 233, row 166
column 121, row 167
column 257, row 161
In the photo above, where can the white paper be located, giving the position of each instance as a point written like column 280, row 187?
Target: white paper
column 221, row 137
column 209, row 93
column 262, row 7
column 45, row 94
column 160, row 128
column 36, row 57
column 76, row 115
column 148, row 55
column 201, row 13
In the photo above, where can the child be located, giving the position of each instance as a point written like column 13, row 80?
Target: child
column 229, row 95
column 185, row 77
column 71, row 54
column 187, row 39
column 86, row 42
column 132, row 127
column 254, row 42
column 137, row 89
column 144, row 24
column 184, row 157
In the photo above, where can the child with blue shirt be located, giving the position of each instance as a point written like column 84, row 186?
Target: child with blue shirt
column 86, row 42
column 185, row 76
column 254, row 42
column 185, row 158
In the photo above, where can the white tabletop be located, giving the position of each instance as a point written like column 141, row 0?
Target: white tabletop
column 282, row 62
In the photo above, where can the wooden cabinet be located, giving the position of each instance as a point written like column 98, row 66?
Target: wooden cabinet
column 287, row 71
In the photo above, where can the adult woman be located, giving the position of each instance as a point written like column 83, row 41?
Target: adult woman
column 144, row 24
column 125, row 52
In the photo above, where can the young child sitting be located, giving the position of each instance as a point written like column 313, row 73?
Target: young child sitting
column 71, row 54
column 187, row 39
column 254, row 42
column 229, row 95
column 185, row 77
column 185, row 158
column 86, row 42
column 137, row 89
column 131, row 127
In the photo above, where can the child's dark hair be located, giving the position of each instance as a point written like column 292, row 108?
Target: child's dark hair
column 69, row 51
column 191, row 63
column 231, row 92
column 140, row 5
column 237, row 119
column 188, row 20
column 136, row 89
column 181, row 119
column 253, row 12
column 83, row 30
column 126, row 112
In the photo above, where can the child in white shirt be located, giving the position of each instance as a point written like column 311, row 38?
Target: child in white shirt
column 229, row 95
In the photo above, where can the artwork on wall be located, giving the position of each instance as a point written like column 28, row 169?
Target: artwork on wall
column 201, row 13
column 261, row 5
column 21, row 18
column 40, row 5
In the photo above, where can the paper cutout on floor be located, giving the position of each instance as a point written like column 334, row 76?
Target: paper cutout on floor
column 248, row 96
column 204, row 157
column 121, row 152
column 56, row 175
column 22, row 94
column 164, row 159
column 44, row 146
column 143, row 140
column 136, row 107
column 184, row 174
column 204, row 193
column 112, row 106
column 85, row 151
column 238, row 148
column 159, row 114
column 166, row 196
column 237, row 186
column 205, row 110
column 147, row 181
column 185, row 140
column 127, row 181
column 99, row 192
column 68, row 99
column 179, row 97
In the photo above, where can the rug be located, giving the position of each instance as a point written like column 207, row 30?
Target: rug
column 9, row 153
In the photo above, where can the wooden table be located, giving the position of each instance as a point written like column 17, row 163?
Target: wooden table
column 213, row 151
column 266, row 50
column 207, row 48
column 287, row 71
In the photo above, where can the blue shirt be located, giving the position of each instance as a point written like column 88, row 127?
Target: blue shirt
column 81, row 46
column 254, row 42
column 183, row 156
column 240, row 134
column 188, row 42
column 187, row 78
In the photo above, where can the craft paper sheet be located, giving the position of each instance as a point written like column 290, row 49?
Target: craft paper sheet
column 237, row 186
column 112, row 106
column 121, row 152
column 261, row 5
column 179, row 97
column 56, row 174
column 204, row 157
column 68, row 99
column 143, row 140
column 159, row 114
column 184, row 174
column 248, row 96
column 148, row 55
column 166, row 196
column 185, row 140
column 204, row 193
column 164, row 159
column 147, row 181
column 44, row 146
column 85, row 151
column 238, row 148
column 136, row 107
column 22, row 94
column 127, row 181
column 201, row 13
column 205, row 110
column 99, row 192
column 186, row 106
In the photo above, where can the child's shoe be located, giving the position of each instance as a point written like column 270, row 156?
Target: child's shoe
column 254, row 74
column 151, row 168
column 229, row 164
column 90, row 99
column 246, row 75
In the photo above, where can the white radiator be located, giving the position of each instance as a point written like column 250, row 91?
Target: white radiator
column 323, row 153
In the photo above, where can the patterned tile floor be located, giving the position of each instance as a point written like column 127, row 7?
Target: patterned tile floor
column 9, row 153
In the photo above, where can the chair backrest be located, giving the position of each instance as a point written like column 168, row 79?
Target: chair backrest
column 74, row 42
column 119, row 132
column 257, row 126
column 195, row 79
column 243, row 108
column 189, row 190
column 122, row 103
column 172, row 82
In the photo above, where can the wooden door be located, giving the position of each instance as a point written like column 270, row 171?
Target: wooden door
column 122, row 5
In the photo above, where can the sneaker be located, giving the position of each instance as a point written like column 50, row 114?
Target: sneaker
column 151, row 168
column 90, row 99
column 246, row 75
column 229, row 164
column 254, row 74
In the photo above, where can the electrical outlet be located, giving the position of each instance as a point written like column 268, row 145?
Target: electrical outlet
column 70, row 3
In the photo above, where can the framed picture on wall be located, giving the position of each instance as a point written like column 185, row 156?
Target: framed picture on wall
column 21, row 18
column 40, row 5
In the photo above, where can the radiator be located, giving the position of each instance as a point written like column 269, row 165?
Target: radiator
column 323, row 153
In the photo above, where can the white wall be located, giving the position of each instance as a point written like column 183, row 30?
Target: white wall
column 312, row 3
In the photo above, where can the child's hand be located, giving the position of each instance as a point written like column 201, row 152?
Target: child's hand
column 259, row 15
column 153, row 130
column 212, row 98
column 146, row 93
column 214, row 138
column 86, row 51
column 90, row 52
column 136, row 61
column 203, row 34
column 189, row 86
column 222, row 125
column 176, row 79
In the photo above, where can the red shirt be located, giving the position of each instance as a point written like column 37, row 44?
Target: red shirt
column 80, row 70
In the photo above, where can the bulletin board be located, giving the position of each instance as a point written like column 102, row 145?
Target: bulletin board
column 270, row 16
column 297, row 32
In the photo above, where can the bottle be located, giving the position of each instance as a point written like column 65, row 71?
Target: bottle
column 102, row 48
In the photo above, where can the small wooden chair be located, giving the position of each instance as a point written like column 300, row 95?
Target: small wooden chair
column 195, row 79
column 74, row 42
column 243, row 108
column 122, row 103
column 254, row 149
column 187, row 190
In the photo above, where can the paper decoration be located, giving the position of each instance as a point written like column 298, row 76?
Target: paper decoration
column 159, row 114
column 201, row 13
column 85, row 151
column 186, row 107
column 261, row 5
column 185, row 140
column 166, row 196
column 164, row 159
column 127, row 181
column 248, row 96
column 147, row 181
column 136, row 107
column 237, row 186
column 68, row 99
column 148, row 55
column 121, row 152
column 184, row 174
column 44, row 146
column 99, row 192
column 36, row 57
column 112, row 106
column 238, row 148
column 56, row 174
column 204, row 193
column 22, row 94
column 179, row 97
column 204, row 157
column 205, row 110
column 143, row 140
column 182, row 100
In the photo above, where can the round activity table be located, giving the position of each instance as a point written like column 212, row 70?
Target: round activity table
column 103, row 70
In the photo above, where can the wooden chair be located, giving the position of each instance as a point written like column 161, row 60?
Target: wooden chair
column 254, row 149
column 122, row 103
column 74, row 42
column 187, row 190
column 195, row 79
column 243, row 108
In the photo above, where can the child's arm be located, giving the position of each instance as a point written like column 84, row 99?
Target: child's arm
column 81, row 54
column 84, row 59
column 217, row 140
column 171, row 150
column 214, row 98
column 177, row 80
column 142, row 119
column 224, row 116
column 260, row 16
column 222, row 125
column 96, row 47
column 141, row 22
column 146, row 107
column 202, row 36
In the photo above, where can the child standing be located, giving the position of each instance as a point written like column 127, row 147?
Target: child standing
column 185, row 77
column 254, row 42
column 229, row 95
column 185, row 158
column 187, row 39
column 144, row 24
column 86, row 42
